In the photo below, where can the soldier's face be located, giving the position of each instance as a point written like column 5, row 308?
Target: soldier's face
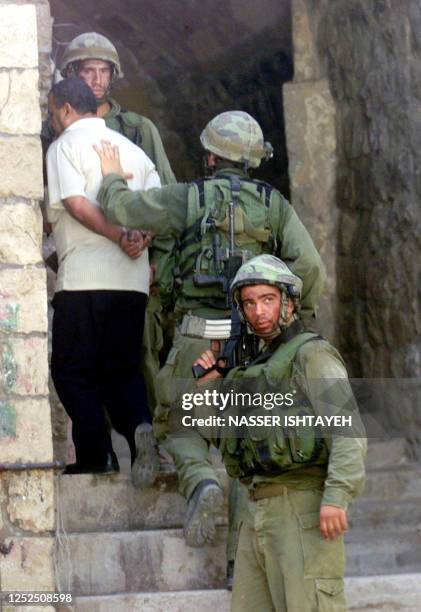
column 97, row 74
column 262, row 307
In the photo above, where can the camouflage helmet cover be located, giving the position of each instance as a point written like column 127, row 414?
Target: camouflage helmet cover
column 235, row 135
column 91, row 45
column 266, row 270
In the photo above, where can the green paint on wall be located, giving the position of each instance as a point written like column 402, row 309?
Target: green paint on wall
column 7, row 421
column 8, row 367
column 9, row 317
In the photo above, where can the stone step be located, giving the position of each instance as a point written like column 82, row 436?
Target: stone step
column 111, row 503
column 377, row 516
column 138, row 561
column 181, row 601
column 105, row 503
column 390, row 593
column 394, row 483
column 385, row 553
column 401, row 593
column 133, row 561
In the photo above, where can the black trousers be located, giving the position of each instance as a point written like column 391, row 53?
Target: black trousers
column 97, row 340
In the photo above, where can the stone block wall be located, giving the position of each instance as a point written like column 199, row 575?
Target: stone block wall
column 27, row 521
column 354, row 143
column 354, row 139
column 311, row 141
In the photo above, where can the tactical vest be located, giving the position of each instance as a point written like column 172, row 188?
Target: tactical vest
column 256, row 222
column 275, row 449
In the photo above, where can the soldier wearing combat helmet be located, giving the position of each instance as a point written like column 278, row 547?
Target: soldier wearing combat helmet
column 94, row 59
column 264, row 223
column 290, row 553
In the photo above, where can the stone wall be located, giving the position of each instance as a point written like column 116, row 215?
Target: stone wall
column 354, row 140
column 353, row 126
column 27, row 521
column 372, row 54
column 309, row 111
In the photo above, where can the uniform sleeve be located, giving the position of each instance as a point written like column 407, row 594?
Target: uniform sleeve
column 162, row 211
column 65, row 178
column 153, row 147
column 162, row 254
column 297, row 249
column 325, row 382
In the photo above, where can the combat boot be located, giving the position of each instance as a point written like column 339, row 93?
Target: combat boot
column 145, row 467
column 203, row 507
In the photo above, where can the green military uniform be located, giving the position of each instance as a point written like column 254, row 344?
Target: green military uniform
column 282, row 561
column 142, row 132
column 264, row 222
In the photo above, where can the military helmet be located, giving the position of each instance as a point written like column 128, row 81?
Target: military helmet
column 235, row 135
column 266, row 270
column 91, row 45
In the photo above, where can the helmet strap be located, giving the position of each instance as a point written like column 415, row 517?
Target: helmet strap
column 102, row 100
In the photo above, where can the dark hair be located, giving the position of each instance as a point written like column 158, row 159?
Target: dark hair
column 75, row 92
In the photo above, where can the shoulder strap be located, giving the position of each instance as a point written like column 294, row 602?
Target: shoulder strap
column 130, row 131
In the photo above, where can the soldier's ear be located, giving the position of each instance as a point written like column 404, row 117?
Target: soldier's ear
column 291, row 307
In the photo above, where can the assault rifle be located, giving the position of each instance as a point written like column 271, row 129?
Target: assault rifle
column 240, row 345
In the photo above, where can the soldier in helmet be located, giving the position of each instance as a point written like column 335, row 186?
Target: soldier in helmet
column 94, row 59
column 290, row 553
column 265, row 223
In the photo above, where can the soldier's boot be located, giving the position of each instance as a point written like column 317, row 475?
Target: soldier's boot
column 203, row 508
column 145, row 467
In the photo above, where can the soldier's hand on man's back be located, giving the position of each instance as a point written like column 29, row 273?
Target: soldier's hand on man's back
column 109, row 156
column 333, row 521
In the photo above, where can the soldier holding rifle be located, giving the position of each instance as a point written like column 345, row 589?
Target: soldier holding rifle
column 210, row 249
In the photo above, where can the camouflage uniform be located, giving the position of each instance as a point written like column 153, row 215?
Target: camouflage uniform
column 282, row 561
column 178, row 209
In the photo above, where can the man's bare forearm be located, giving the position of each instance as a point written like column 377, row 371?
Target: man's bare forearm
column 92, row 217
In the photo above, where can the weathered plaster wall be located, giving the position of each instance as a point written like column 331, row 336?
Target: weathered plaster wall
column 353, row 127
column 309, row 111
column 26, row 498
column 372, row 55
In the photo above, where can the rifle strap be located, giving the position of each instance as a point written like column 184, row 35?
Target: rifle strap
column 288, row 334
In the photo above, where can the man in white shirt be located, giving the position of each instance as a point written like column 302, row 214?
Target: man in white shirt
column 102, row 287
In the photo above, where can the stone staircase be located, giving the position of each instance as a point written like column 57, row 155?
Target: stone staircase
column 122, row 550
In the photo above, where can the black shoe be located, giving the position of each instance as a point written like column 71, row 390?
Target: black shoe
column 203, row 508
column 109, row 467
column 230, row 575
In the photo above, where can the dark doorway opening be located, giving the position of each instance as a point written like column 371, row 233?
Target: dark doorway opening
column 185, row 62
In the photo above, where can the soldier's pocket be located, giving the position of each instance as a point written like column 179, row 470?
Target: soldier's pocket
column 323, row 559
column 330, row 594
